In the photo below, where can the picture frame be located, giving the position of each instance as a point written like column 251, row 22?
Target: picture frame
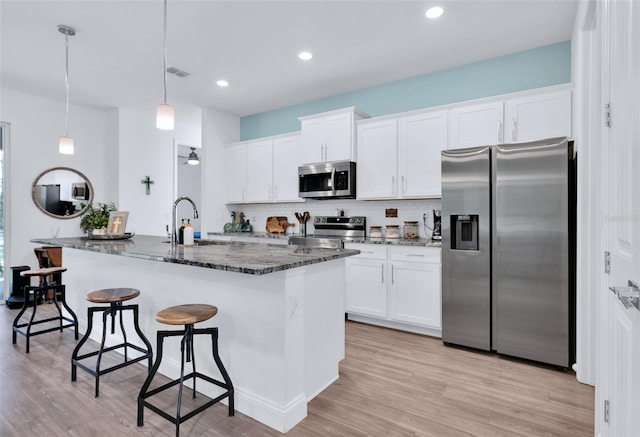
column 117, row 223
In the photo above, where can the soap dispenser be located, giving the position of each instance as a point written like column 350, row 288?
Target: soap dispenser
column 188, row 234
column 181, row 233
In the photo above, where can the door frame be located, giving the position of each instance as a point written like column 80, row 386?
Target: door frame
column 5, row 131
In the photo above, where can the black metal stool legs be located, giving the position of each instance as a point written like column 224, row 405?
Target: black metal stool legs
column 37, row 293
column 114, row 309
column 187, row 354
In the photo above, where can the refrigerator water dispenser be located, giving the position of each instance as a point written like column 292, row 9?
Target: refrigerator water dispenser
column 464, row 232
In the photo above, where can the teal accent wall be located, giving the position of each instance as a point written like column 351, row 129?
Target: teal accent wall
column 535, row 68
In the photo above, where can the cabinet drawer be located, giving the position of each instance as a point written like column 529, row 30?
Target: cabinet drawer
column 415, row 254
column 371, row 251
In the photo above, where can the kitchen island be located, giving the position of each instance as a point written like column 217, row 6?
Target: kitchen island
column 280, row 310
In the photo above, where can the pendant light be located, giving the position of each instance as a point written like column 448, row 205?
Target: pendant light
column 165, row 113
column 65, row 144
column 193, row 159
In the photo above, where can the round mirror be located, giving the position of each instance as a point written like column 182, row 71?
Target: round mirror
column 62, row 192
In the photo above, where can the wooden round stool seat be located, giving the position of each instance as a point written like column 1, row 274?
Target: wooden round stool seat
column 186, row 314
column 109, row 295
column 43, row 272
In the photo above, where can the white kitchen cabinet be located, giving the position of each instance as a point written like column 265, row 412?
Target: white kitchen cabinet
column 476, row 125
column 395, row 286
column 259, row 170
column 421, row 138
column 376, row 170
column 540, row 116
column 399, row 158
column 264, row 170
column 415, row 295
column 366, row 285
column 330, row 136
column 288, row 155
column 529, row 116
column 236, row 165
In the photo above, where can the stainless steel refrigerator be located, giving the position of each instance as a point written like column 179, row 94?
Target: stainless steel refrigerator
column 508, row 249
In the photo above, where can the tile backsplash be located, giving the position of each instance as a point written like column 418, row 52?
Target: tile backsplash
column 373, row 210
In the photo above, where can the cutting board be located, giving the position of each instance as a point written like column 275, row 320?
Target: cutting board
column 277, row 224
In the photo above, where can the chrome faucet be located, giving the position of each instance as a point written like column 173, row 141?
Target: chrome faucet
column 174, row 231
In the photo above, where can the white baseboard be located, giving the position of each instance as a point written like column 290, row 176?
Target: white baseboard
column 396, row 325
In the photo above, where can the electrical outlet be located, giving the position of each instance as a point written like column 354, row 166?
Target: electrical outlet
column 425, row 217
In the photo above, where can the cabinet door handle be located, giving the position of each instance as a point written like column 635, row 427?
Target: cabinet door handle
column 500, row 132
column 393, row 185
column 382, row 270
column 416, row 254
column 392, row 275
column 514, row 131
column 403, row 184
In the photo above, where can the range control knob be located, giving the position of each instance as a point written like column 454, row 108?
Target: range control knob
column 359, row 220
column 324, row 219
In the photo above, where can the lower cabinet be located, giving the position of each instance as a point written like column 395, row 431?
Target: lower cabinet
column 395, row 286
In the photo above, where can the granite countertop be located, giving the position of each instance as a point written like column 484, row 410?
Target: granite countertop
column 249, row 258
column 426, row 242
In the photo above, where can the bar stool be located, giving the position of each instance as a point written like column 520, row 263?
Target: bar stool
column 39, row 292
column 186, row 315
column 114, row 297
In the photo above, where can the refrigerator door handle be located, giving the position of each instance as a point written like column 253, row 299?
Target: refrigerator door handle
column 500, row 131
column 514, row 130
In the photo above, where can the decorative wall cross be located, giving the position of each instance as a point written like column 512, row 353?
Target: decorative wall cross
column 148, row 182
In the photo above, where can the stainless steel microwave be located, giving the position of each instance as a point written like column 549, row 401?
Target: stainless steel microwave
column 327, row 180
column 80, row 191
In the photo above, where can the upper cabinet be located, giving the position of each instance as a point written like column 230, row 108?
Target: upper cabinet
column 531, row 116
column 236, row 173
column 536, row 117
column 264, row 170
column 330, row 136
column 476, row 125
column 400, row 157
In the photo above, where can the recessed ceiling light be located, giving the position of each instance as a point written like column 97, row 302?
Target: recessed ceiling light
column 305, row 56
column 434, row 12
column 222, row 83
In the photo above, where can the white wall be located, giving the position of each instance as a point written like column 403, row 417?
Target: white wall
column 218, row 129
column 36, row 124
column 145, row 150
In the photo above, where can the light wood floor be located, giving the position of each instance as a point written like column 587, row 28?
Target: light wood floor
column 391, row 384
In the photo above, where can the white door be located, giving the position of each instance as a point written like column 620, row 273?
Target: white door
column 366, row 286
column 288, row 155
column 415, row 293
column 313, row 139
column 377, row 158
column 339, row 137
column 421, row 138
column 537, row 117
column 236, row 173
column 259, row 171
column 476, row 125
column 618, row 381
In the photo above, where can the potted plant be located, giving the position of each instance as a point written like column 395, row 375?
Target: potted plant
column 96, row 218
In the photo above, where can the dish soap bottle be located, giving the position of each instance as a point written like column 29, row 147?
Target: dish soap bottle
column 181, row 233
column 188, row 234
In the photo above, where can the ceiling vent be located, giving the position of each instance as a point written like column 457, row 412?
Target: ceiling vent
column 177, row 72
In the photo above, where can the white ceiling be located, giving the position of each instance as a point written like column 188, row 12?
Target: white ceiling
column 116, row 58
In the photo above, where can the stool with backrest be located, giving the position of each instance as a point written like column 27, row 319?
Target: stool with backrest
column 37, row 292
column 186, row 315
column 114, row 297
column 49, row 256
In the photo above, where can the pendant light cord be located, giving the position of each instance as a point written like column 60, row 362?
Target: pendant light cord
column 66, row 81
column 165, row 52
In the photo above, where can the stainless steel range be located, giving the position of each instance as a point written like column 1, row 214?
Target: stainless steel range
column 332, row 231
